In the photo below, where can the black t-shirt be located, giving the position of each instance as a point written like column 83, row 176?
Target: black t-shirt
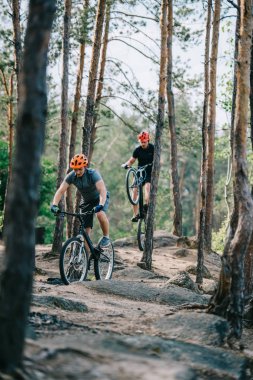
column 144, row 156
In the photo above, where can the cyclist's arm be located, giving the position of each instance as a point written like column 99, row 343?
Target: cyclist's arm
column 59, row 193
column 130, row 161
column 100, row 185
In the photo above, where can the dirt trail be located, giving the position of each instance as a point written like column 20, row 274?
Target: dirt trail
column 139, row 325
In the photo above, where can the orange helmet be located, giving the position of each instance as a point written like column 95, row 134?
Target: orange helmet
column 143, row 136
column 79, row 161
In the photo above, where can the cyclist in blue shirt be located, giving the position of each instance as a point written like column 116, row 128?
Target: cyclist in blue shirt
column 144, row 153
column 94, row 194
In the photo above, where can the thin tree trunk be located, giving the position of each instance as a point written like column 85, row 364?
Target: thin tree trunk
column 90, row 101
column 9, row 94
column 16, row 279
column 74, row 121
column 201, row 227
column 101, row 76
column 58, row 232
column 251, row 96
column 211, row 129
column 177, row 218
column 146, row 261
column 220, row 300
column 249, row 255
column 17, row 41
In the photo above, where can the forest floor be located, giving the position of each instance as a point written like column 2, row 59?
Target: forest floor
column 141, row 325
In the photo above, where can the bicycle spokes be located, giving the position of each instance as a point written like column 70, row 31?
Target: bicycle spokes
column 104, row 262
column 73, row 261
column 132, row 186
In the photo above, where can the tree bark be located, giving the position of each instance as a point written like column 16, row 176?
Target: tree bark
column 16, row 279
column 101, row 76
column 241, row 239
column 17, row 41
column 177, row 218
column 203, row 189
column 74, row 121
column 58, row 232
column 211, row 129
column 220, row 300
column 90, row 101
column 9, row 94
column 146, row 261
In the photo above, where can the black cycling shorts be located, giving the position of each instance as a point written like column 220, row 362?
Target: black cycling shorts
column 147, row 177
column 88, row 219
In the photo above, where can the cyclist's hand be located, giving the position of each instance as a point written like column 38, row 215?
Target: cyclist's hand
column 124, row 166
column 55, row 210
column 98, row 208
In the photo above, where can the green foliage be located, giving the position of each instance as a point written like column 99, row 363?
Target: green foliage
column 218, row 238
column 47, row 190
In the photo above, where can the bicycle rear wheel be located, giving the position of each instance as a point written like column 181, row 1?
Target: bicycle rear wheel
column 104, row 263
column 73, row 261
column 131, row 185
column 141, row 233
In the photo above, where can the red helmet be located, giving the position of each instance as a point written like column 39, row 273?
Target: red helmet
column 79, row 161
column 143, row 137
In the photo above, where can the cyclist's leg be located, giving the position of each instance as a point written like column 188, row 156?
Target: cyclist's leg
column 102, row 218
column 88, row 222
column 146, row 192
column 135, row 207
column 104, row 222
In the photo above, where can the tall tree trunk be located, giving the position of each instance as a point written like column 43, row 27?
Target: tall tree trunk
column 146, row 261
column 211, row 129
column 9, row 94
column 177, row 219
column 58, row 232
column 92, row 80
column 220, row 299
column 240, row 242
column 201, row 227
column 74, row 120
column 17, row 41
column 24, row 188
column 249, row 255
column 243, row 232
column 101, row 76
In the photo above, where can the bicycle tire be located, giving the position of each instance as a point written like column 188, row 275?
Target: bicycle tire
column 141, row 233
column 104, row 264
column 131, row 184
column 73, row 262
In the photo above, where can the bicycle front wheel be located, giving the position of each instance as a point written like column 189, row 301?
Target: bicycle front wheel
column 132, row 187
column 73, row 261
column 104, row 263
column 141, row 233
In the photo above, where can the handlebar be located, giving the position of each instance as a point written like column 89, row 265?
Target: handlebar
column 79, row 215
column 139, row 168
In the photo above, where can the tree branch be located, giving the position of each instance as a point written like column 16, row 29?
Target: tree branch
column 120, row 118
column 139, row 42
column 234, row 4
column 133, row 47
column 138, row 16
column 136, row 28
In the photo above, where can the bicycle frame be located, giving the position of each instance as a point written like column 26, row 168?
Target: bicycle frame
column 82, row 231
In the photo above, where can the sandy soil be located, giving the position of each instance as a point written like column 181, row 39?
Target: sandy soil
column 103, row 333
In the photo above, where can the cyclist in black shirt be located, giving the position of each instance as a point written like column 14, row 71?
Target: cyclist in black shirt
column 144, row 153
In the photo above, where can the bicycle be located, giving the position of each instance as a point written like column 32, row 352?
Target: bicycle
column 74, row 260
column 134, row 184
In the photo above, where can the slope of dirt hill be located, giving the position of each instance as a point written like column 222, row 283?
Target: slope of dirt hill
column 140, row 325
